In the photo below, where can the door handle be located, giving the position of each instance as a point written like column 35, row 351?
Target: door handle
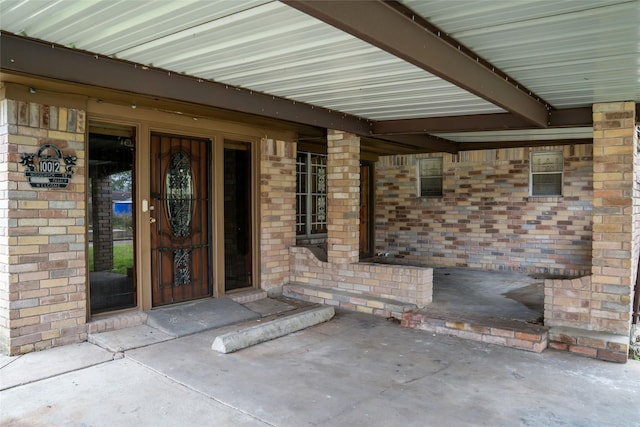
column 152, row 220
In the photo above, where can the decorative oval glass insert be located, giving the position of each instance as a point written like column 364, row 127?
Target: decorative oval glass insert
column 179, row 194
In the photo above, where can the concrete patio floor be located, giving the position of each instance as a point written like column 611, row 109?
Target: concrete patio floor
column 355, row 370
column 500, row 294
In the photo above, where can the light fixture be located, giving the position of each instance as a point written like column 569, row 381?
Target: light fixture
column 32, row 90
column 134, row 106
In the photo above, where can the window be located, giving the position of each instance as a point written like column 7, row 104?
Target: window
column 311, row 194
column 430, row 177
column 546, row 173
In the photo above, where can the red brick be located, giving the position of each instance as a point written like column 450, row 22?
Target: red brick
column 586, row 351
column 559, row 346
column 612, row 356
column 528, row 337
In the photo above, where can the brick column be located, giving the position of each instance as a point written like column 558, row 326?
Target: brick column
column 42, row 231
column 343, row 180
column 614, row 252
column 277, row 211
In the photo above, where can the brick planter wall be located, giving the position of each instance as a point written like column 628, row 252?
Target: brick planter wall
column 42, row 248
column 486, row 218
column 408, row 284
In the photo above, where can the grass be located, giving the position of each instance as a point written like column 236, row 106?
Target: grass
column 122, row 258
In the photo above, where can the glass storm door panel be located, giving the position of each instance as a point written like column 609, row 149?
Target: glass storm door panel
column 180, row 219
column 237, row 216
column 111, row 191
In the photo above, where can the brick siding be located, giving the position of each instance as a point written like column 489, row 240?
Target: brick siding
column 277, row 211
column 343, row 201
column 486, row 218
column 42, row 245
column 615, row 198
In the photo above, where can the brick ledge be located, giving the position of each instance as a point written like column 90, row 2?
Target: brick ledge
column 361, row 302
column 594, row 344
column 491, row 330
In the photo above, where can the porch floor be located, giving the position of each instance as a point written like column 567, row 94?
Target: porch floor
column 507, row 295
column 503, row 308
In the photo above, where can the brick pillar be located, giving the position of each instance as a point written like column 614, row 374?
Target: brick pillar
column 102, row 215
column 42, row 231
column 277, row 211
column 343, row 180
column 614, row 233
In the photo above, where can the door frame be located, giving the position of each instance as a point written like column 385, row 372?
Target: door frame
column 146, row 121
column 368, row 202
column 218, row 214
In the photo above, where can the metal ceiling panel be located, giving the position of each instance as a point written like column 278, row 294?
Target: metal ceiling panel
column 570, row 53
column 263, row 46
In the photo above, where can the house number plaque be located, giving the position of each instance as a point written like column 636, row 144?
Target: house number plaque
column 46, row 169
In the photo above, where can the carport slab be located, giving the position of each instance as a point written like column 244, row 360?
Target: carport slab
column 129, row 338
column 49, row 363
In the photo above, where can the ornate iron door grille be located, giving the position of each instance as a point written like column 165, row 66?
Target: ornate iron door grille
column 181, row 203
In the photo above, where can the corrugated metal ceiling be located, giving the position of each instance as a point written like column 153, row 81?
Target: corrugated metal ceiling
column 570, row 53
column 264, row 46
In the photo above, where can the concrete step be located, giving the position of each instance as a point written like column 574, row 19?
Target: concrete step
column 353, row 301
column 246, row 334
column 493, row 330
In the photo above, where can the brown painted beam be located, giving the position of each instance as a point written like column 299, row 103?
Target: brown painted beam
column 32, row 57
column 383, row 25
column 424, row 143
column 491, row 145
column 570, row 117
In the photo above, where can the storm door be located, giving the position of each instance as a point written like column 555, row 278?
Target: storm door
column 180, row 219
column 237, row 216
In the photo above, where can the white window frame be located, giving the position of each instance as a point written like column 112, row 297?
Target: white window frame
column 546, row 163
column 430, row 168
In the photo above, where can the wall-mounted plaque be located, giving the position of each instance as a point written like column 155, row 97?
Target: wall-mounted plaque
column 48, row 168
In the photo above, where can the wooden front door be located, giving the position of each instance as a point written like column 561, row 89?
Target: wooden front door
column 180, row 219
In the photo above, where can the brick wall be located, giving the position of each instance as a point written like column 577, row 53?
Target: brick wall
column 102, row 197
column 343, row 201
column 486, row 218
column 399, row 283
column 277, row 211
column 42, row 248
column 615, row 235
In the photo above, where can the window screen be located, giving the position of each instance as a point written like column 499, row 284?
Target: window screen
column 546, row 173
column 430, row 177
